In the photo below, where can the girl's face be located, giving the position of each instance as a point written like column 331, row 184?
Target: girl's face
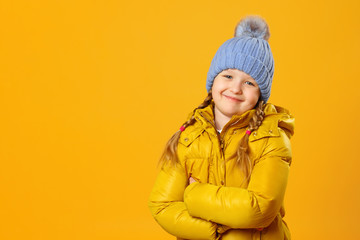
column 234, row 92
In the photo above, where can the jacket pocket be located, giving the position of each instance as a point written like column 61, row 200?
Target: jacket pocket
column 187, row 137
column 266, row 130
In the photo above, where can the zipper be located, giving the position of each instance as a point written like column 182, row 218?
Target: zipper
column 221, row 145
column 231, row 126
column 221, row 139
column 217, row 134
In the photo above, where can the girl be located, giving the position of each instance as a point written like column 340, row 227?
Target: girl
column 224, row 173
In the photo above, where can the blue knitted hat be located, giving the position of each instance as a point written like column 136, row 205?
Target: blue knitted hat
column 248, row 51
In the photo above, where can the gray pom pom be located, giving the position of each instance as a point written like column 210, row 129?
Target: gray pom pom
column 252, row 26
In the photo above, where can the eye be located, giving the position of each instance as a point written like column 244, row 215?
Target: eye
column 250, row 83
column 228, row 76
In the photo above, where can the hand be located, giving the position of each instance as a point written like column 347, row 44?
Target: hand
column 191, row 180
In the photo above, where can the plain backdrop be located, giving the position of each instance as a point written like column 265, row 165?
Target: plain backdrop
column 90, row 91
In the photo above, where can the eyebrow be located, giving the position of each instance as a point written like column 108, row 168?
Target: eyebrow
column 233, row 71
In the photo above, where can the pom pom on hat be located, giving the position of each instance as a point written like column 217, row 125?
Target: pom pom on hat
column 248, row 51
column 252, row 26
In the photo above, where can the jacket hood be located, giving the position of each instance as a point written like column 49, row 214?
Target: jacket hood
column 286, row 120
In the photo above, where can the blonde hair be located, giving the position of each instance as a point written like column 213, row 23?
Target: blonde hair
column 242, row 154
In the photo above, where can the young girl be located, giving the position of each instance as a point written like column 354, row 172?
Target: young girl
column 224, row 173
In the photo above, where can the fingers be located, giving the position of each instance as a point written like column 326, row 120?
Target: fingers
column 191, row 180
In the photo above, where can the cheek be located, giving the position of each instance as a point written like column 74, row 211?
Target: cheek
column 254, row 96
column 218, row 86
column 215, row 89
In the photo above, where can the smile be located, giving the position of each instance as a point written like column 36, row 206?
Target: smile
column 232, row 98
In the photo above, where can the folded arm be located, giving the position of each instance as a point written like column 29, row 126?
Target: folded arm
column 254, row 207
column 167, row 206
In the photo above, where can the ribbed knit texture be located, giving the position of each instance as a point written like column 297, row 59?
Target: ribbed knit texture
column 248, row 54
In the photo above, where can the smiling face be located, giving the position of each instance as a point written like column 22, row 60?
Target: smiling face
column 234, row 92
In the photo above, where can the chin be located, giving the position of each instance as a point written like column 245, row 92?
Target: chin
column 232, row 113
column 239, row 112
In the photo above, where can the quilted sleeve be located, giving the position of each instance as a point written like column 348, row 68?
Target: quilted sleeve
column 254, row 207
column 167, row 206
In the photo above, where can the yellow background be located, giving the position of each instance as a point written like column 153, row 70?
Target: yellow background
column 92, row 90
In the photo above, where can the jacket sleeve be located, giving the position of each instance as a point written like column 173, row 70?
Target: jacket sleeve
column 254, row 207
column 167, row 206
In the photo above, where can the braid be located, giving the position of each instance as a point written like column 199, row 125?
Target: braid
column 207, row 100
column 170, row 151
column 242, row 153
column 204, row 104
column 258, row 117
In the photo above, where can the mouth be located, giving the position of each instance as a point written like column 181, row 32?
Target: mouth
column 233, row 98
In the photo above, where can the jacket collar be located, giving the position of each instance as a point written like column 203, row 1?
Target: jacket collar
column 206, row 117
column 276, row 115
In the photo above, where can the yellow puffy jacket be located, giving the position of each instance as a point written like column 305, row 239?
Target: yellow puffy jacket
column 218, row 205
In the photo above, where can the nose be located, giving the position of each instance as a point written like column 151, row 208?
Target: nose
column 236, row 87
